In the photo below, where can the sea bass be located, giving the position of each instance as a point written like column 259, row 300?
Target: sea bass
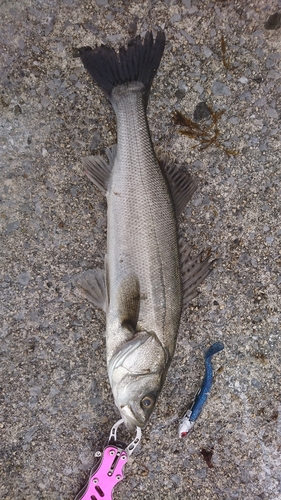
column 147, row 277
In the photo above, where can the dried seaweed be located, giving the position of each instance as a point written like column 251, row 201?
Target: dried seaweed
column 225, row 59
column 206, row 135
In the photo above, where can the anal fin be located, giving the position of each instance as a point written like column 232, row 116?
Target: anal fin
column 98, row 169
column 181, row 183
column 92, row 285
column 193, row 270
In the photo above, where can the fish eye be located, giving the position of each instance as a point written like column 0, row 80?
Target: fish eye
column 148, row 401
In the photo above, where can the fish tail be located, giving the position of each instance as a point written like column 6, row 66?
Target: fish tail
column 136, row 63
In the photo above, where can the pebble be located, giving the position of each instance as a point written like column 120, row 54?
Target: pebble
column 114, row 38
column 23, row 279
column 89, row 314
column 207, row 51
column 186, row 3
column 45, row 102
column 30, row 434
column 51, row 194
column 256, row 383
column 199, row 88
column 96, row 140
column 176, row 479
column 188, row 37
column 244, row 258
column 180, row 94
column 243, row 79
column 276, row 56
column 12, row 226
column 175, row 18
column 201, row 111
column 273, row 22
column 50, row 26
column 35, row 391
column 269, row 63
column 260, row 53
column 218, row 88
column 38, row 208
column 60, row 47
column 269, row 240
column 274, row 74
column 193, row 10
column 263, row 146
column 234, row 120
column 272, row 113
column 201, row 473
column 245, row 96
column 17, row 110
column 91, row 27
column 25, row 208
column 254, row 140
column 260, row 102
column 53, row 392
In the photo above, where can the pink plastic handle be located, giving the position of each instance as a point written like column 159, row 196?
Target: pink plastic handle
column 107, row 475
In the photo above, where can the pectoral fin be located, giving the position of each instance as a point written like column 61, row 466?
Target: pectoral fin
column 194, row 271
column 98, row 169
column 128, row 301
column 92, row 285
column 181, row 183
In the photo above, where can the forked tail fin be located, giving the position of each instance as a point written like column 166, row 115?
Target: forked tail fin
column 136, row 63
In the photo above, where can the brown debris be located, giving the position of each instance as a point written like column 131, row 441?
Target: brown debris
column 206, row 135
column 225, row 60
column 207, row 455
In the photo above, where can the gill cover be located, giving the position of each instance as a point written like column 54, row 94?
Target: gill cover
column 137, row 373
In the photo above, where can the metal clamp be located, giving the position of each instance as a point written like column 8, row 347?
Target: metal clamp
column 132, row 446
column 109, row 470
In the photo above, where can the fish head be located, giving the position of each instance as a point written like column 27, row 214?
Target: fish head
column 137, row 373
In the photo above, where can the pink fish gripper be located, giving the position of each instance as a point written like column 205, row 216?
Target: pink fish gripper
column 109, row 470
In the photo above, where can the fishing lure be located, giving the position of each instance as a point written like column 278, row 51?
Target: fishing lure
column 189, row 418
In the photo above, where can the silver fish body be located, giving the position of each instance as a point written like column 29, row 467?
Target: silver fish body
column 146, row 278
column 142, row 258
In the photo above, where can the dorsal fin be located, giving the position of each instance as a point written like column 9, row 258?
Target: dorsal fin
column 193, row 271
column 181, row 183
column 98, row 169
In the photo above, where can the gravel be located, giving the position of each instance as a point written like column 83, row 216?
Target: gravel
column 219, row 88
column 57, row 407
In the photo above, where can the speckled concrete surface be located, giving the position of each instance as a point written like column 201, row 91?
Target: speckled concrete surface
column 56, row 403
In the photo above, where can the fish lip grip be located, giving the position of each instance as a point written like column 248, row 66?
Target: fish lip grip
column 109, row 470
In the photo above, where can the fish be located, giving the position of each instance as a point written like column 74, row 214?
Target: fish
column 149, row 275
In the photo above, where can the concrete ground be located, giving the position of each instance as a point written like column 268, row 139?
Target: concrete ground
column 56, row 401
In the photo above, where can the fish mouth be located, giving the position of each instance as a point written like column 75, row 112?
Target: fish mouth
column 130, row 420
